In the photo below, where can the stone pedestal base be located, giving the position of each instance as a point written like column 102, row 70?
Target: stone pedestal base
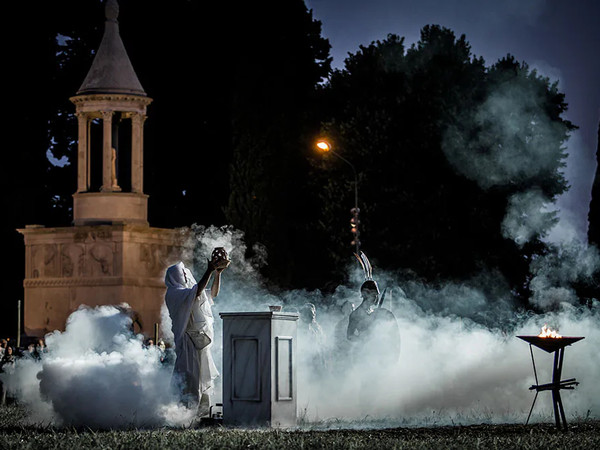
column 95, row 265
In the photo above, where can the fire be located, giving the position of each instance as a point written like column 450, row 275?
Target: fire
column 549, row 333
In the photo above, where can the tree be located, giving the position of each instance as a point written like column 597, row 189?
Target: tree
column 594, row 213
column 428, row 130
column 33, row 190
column 276, row 71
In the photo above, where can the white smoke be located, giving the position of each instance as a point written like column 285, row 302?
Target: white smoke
column 508, row 139
column 528, row 216
column 459, row 362
column 166, row 326
column 455, row 370
column 555, row 273
column 97, row 373
column 511, row 138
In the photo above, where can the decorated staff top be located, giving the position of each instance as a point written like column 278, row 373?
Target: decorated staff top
column 366, row 265
column 369, row 283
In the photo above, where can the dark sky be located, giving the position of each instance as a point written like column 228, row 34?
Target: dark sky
column 560, row 38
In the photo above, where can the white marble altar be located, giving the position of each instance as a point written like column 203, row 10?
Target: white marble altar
column 259, row 370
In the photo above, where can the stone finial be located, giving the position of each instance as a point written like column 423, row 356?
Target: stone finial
column 112, row 10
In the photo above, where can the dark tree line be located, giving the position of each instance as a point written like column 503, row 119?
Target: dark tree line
column 239, row 99
column 36, row 110
column 430, row 128
column 594, row 214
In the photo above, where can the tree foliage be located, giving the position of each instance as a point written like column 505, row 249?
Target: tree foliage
column 442, row 144
column 274, row 85
column 38, row 123
column 594, row 214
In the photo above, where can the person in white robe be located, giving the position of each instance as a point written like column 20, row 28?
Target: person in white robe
column 190, row 307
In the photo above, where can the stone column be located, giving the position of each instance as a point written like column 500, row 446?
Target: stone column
column 107, row 181
column 83, row 179
column 137, row 153
column 89, row 153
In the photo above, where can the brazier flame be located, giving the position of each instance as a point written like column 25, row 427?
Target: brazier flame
column 549, row 333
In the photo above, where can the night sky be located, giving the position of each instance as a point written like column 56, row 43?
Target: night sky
column 559, row 38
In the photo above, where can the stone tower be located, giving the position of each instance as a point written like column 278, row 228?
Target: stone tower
column 110, row 255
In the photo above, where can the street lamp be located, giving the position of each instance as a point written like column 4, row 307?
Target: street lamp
column 324, row 146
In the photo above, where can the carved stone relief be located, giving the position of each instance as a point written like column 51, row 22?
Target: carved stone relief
column 101, row 259
column 73, row 260
column 155, row 257
column 94, row 254
column 148, row 256
column 44, row 262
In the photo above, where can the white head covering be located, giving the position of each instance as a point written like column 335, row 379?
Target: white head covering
column 178, row 276
column 180, row 296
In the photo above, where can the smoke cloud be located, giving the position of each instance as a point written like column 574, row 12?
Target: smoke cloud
column 459, row 359
column 97, row 373
column 555, row 273
column 486, row 145
column 453, row 369
column 528, row 217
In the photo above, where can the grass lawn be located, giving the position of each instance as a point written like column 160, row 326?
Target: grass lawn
column 581, row 435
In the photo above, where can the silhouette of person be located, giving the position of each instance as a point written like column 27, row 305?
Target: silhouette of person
column 313, row 335
column 371, row 326
column 190, row 308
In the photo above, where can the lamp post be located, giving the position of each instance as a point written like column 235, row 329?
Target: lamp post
column 325, row 147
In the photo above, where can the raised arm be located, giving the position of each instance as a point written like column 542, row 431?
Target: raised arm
column 210, row 268
column 216, row 284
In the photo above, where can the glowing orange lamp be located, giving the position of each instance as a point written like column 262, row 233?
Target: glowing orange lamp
column 323, row 145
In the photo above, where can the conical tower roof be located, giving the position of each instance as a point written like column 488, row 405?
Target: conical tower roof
column 111, row 71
